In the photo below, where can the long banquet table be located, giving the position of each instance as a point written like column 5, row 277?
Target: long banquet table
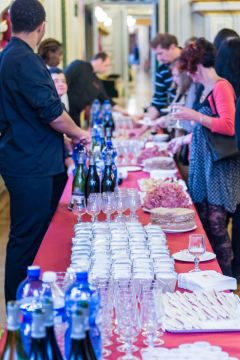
column 54, row 254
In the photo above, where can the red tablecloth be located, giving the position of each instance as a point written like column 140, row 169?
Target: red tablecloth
column 54, row 254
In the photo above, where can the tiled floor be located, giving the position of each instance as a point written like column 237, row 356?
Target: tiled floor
column 139, row 96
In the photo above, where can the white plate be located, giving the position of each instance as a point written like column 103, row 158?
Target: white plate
column 162, row 173
column 166, row 110
column 184, row 255
column 175, row 231
column 146, row 121
column 161, row 137
column 130, row 168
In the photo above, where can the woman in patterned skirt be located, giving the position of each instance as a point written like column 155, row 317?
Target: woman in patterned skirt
column 214, row 185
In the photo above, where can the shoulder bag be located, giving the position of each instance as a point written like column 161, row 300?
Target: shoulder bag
column 221, row 146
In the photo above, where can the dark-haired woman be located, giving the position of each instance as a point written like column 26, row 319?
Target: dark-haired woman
column 227, row 65
column 51, row 51
column 223, row 35
column 214, row 186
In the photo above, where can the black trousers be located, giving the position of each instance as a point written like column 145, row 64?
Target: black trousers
column 33, row 201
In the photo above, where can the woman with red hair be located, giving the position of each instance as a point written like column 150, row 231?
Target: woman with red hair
column 214, row 184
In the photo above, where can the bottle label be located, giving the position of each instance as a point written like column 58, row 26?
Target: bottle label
column 75, row 198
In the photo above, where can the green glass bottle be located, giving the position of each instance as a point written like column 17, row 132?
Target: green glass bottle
column 38, row 349
column 79, row 182
column 13, row 348
column 53, row 350
column 87, row 340
column 108, row 182
column 93, row 181
column 78, row 349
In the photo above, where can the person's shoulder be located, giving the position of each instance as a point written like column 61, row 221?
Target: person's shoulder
column 223, row 86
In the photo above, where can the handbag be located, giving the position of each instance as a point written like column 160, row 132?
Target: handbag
column 221, row 146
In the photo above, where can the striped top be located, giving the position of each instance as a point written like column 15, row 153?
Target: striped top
column 164, row 91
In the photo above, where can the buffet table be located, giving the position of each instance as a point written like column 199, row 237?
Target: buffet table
column 54, row 254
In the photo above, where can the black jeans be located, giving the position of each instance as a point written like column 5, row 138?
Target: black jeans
column 33, row 201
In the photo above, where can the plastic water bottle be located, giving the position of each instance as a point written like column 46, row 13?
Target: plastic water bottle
column 52, row 291
column 29, row 299
column 109, row 148
column 79, row 296
column 95, row 111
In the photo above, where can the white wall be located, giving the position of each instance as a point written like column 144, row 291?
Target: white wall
column 75, row 26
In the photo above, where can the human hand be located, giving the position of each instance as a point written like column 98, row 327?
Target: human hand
column 69, row 163
column 184, row 113
column 175, row 144
column 68, row 145
column 161, row 123
column 83, row 137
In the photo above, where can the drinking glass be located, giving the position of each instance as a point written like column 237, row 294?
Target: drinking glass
column 151, row 321
column 121, row 204
column 134, row 203
column 196, row 247
column 173, row 122
column 79, row 208
column 108, row 204
column 94, row 205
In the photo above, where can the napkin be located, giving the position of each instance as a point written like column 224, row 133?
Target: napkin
column 206, row 280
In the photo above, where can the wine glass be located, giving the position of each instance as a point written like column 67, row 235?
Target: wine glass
column 196, row 247
column 134, row 203
column 173, row 122
column 108, row 204
column 94, row 205
column 79, row 207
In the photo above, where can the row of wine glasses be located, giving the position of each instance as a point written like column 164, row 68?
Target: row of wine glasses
column 133, row 315
column 109, row 202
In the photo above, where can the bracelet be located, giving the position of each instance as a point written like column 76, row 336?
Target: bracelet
column 201, row 119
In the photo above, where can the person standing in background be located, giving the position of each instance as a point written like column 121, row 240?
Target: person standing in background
column 84, row 86
column 32, row 123
column 166, row 49
column 51, row 51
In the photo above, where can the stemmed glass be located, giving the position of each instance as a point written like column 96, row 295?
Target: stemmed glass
column 94, row 205
column 79, row 208
column 127, row 320
column 173, row 122
column 108, row 204
column 196, row 247
column 134, row 203
column 151, row 318
column 121, row 204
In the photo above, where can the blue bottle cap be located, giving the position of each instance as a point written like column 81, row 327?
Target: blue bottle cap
column 33, row 271
column 81, row 275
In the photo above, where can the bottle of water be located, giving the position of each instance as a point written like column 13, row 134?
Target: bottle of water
column 79, row 296
column 109, row 148
column 29, row 299
column 95, row 111
column 52, row 291
column 70, row 277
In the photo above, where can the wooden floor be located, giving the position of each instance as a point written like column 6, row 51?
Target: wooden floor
column 139, row 95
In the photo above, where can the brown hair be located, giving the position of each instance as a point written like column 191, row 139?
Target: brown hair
column 165, row 40
column 47, row 46
column 201, row 52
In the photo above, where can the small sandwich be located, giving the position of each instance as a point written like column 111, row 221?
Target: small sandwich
column 173, row 219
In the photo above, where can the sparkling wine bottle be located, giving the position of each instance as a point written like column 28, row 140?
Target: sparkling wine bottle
column 13, row 348
column 78, row 350
column 109, row 181
column 93, row 181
